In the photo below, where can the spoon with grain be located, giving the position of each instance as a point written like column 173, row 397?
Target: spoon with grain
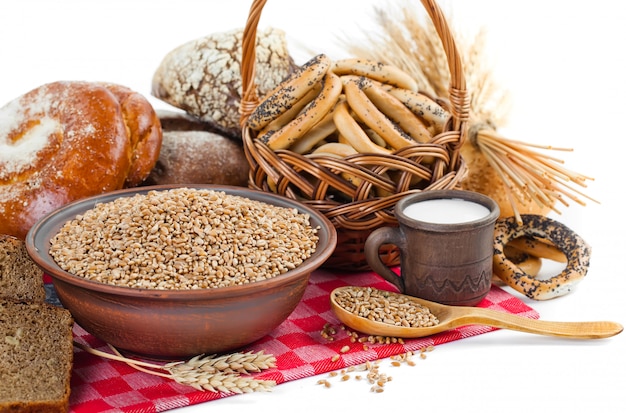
column 450, row 317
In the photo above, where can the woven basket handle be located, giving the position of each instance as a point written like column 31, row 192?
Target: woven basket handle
column 249, row 96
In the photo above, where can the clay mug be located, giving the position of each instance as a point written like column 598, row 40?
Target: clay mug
column 445, row 239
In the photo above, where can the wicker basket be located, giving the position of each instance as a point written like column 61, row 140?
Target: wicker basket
column 354, row 210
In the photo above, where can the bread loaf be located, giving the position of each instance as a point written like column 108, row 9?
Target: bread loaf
column 36, row 342
column 64, row 141
column 182, row 121
column 199, row 157
column 36, row 355
column 20, row 277
column 203, row 77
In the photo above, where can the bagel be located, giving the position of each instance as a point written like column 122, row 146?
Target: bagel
column 384, row 73
column 369, row 114
column 575, row 249
column 312, row 113
column 528, row 263
column 292, row 112
column 336, row 149
column 289, row 91
column 352, row 132
column 320, row 131
column 396, row 111
column 538, row 248
column 64, row 141
column 424, row 107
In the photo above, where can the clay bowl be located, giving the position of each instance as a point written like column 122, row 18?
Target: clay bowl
column 171, row 324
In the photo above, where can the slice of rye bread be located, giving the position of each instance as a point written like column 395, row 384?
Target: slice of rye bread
column 36, row 356
column 20, row 277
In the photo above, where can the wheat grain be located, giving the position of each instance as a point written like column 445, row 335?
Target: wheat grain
column 224, row 382
column 212, row 373
column 242, row 363
column 184, row 238
column 385, row 307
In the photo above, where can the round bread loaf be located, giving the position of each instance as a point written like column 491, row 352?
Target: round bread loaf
column 183, row 121
column 203, row 76
column 199, row 157
column 64, row 141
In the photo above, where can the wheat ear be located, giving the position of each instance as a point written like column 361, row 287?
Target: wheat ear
column 226, row 373
column 412, row 44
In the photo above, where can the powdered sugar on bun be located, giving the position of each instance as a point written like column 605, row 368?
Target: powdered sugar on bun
column 18, row 147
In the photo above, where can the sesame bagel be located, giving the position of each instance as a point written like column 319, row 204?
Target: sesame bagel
column 571, row 244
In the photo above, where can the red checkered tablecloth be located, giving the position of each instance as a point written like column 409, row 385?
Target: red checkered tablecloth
column 102, row 385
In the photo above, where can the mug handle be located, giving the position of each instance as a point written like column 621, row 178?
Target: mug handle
column 378, row 237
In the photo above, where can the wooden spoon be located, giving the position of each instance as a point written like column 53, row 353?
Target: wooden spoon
column 456, row 316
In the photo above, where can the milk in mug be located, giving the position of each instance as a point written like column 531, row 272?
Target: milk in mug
column 446, row 211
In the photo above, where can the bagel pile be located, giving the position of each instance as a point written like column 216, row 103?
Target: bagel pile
column 344, row 107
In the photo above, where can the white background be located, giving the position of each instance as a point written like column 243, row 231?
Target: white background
column 563, row 65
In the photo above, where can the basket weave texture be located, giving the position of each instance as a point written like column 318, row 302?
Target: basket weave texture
column 355, row 210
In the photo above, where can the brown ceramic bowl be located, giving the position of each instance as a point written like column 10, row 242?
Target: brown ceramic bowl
column 178, row 323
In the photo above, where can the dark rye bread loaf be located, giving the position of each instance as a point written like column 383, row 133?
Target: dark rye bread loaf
column 194, row 152
column 199, row 157
column 36, row 342
column 20, row 277
column 36, row 355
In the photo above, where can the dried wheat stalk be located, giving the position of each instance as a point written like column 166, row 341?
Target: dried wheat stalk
column 410, row 42
column 213, row 373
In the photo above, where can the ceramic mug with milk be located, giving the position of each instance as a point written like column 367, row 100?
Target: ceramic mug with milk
column 445, row 240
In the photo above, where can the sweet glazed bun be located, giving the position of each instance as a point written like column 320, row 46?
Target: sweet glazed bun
column 142, row 124
column 64, row 141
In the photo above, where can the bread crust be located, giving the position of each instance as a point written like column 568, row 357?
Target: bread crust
column 203, row 77
column 144, row 131
column 64, row 141
column 199, row 157
column 43, row 406
column 182, row 121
